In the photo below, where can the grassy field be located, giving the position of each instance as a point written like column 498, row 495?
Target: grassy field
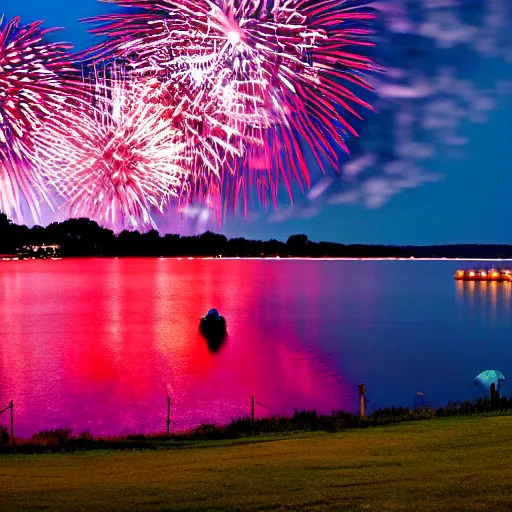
column 456, row 464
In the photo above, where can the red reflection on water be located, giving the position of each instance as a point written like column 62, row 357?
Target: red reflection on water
column 98, row 345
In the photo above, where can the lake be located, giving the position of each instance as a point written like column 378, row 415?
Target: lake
column 98, row 344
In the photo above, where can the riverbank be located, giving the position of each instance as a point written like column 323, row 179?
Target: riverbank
column 459, row 463
column 245, row 430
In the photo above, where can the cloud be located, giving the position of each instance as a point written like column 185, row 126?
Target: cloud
column 426, row 97
column 358, row 164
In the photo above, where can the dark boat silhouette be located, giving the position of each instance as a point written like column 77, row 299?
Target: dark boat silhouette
column 213, row 328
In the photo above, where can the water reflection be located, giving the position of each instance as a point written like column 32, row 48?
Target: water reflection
column 484, row 303
column 98, row 345
column 215, row 342
column 488, row 296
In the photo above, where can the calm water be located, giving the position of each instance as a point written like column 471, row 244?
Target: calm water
column 98, row 345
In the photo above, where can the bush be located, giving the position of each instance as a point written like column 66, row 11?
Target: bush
column 305, row 420
column 479, row 406
column 208, row 432
column 4, row 435
column 55, row 437
column 85, row 436
column 241, row 427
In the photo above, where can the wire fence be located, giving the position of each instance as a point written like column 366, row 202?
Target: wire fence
column 366, row 407
column 420, row 402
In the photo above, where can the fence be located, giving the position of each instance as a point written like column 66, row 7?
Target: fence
column 419, row 403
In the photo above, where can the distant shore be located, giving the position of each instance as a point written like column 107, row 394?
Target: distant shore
column 268, row 258
column 84, row 237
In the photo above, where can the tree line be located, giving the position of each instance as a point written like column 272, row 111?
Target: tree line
column 84, row 237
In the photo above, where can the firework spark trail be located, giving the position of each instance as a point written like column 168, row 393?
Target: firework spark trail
column 155, row 47
column 114, row 158
column 271, row 73
column 35, row 80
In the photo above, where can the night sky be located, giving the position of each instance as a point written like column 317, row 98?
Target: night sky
column 457, row 195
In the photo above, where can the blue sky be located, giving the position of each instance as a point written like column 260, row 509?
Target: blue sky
column 58, row 13
column 469, row 204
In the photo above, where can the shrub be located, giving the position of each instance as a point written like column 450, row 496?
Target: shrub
column 305, row 420
column 4, row 435
column 207, row 432
column 55, row 437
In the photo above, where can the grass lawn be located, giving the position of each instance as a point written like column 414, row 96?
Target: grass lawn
column 456, row 464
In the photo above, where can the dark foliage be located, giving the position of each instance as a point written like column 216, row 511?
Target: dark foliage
column 302, row 421
column 55, row 437
column 4, row 435
column 83, row 237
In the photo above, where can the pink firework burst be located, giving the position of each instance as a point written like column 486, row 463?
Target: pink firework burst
column 279, row 75
column 210, row 143
column 35, row 80
column 114, row 157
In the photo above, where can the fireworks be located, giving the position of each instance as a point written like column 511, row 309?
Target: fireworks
column 114, row 157
column 258, row 74
column 34, row 82
column 218, row 99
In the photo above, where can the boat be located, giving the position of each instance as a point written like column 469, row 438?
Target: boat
column 213, row 326
column 493, row 275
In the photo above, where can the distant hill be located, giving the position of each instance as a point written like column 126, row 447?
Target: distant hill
column 83, row 237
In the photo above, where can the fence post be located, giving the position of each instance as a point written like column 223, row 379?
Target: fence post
column 252, row 409
column 168, row 416
column 362, row 400
column 11, row 407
